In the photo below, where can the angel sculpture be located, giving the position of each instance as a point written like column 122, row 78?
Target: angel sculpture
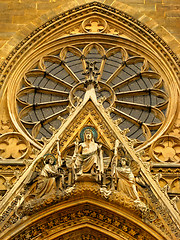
column 123, row 175
column 51, row 177
column 125, row 180
column 88, row 156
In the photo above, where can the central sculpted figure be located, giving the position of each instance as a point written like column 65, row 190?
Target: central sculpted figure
column 88, row 157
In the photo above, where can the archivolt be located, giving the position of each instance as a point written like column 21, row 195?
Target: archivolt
column 72, row 218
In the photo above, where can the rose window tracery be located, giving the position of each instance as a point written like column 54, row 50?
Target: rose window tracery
column 128, row 86
column 131, row 86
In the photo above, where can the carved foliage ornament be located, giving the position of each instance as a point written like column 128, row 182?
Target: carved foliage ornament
column 85, row 213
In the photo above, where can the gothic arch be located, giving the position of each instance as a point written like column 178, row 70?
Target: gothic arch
column 113, row 32
column 60, row 30
column 175, row 185
column 63, row 219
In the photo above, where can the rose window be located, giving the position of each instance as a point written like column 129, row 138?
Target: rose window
column 128, row 86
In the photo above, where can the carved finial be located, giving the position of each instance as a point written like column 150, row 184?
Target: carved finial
column 157, row 177
column 61, row 119
column 118, row 121
column 91, row 73
column 53, row 129
column 174, row 202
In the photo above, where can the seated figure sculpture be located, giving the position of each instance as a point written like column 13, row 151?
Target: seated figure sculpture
column 88, row 156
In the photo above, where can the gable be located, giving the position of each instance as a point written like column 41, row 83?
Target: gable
column 66, row 37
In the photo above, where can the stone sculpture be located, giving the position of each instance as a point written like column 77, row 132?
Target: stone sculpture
column 125, row 180
column 88, row 157
column 50, row 178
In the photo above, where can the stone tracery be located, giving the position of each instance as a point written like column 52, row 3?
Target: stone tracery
column 124, row 81
column 107, row 136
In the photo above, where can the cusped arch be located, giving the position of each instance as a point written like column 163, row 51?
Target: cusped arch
column 162, row 182
column 175, row 186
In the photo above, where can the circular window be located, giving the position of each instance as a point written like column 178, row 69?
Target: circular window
column 128, row 86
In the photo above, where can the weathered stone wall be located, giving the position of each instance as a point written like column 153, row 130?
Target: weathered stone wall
column 19, row 17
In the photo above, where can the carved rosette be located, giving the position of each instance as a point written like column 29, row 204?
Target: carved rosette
column 166, row 149
column 94, row 24
column 13, row 146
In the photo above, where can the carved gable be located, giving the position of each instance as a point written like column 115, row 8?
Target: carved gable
column 87, row 128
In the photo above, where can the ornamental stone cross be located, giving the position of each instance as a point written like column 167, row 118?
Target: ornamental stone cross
column 94, row 26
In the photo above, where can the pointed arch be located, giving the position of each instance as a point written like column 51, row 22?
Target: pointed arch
column 106, row 219
column 32, row 52
column 34, row 49
column 175, row 186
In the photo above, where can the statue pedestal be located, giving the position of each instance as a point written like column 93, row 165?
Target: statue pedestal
column 87, row 177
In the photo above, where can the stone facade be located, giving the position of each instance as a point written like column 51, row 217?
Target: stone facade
column 20, row 17
column 112, row 185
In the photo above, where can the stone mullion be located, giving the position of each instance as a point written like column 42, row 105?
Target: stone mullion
column 73, row 75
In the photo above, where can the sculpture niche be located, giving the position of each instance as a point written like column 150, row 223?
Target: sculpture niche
column 88, row 156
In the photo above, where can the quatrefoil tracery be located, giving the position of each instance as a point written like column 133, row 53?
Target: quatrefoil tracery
column 128, row 86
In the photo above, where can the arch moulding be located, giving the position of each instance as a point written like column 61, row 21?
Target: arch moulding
column 82, row 208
